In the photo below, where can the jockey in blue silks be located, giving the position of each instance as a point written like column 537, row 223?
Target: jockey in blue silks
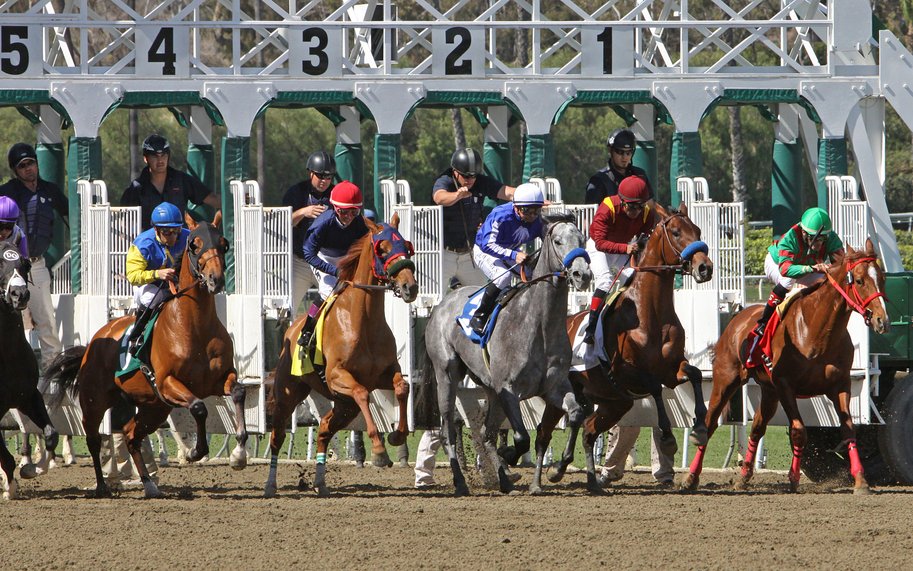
column 497, row 251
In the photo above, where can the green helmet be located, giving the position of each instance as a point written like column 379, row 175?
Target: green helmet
column 816, row 221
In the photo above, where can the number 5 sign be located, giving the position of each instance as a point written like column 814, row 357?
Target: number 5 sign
column 162, row 51
column 20, row 51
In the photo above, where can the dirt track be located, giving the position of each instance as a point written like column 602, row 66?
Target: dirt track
column 214, row 517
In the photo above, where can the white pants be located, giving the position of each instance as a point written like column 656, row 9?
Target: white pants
column 326, row 282
column 149, row 294
column 494, row 268
column 116, row 462
column 425, row 457
column 461, row 267
column 620, row 440
column 772, row 271
column 40, row 312
column 606, row 266
column 303, row 279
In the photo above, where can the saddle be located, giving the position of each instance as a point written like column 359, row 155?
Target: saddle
column 763, row 353
column 308, row 353
column 141, row 358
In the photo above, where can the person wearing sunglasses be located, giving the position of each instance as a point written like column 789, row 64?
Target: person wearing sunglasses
column 621, row 145
column 461, row 190
column 498, row 249
column 308, row 199
column 153, row 260
column 39, row 202
column 798, row 259
column 158, row 182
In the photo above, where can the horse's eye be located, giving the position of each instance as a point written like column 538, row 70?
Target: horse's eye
column 676, row 233
column 558, row 242
column 858, row 281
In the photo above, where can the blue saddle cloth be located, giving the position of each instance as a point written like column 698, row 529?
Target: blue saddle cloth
column 469, row 309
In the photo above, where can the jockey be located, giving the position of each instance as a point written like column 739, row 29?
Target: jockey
column 9, row 229
column 800, row 256
column 497, row 247
column 152, row 261
column 618, row 221
column 332, row 234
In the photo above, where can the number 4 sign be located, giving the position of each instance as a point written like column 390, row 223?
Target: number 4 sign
column 162, row 51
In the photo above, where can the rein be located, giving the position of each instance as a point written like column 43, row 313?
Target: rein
column 684, row 255
column 858, row 305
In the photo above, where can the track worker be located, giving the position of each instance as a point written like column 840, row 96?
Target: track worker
column 621, row 145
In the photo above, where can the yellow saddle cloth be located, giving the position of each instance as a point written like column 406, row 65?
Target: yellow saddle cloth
column 303, row 364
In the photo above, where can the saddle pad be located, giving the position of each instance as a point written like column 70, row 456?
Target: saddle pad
column 303, row 364
column 469, row 309
column 765, row 345
column 134, row 363
column 585, row 356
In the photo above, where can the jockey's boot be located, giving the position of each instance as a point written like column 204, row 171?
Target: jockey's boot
column 307, row 330
column 776, row 296
column 480, row 317
column 595, row 309
column 143, row 313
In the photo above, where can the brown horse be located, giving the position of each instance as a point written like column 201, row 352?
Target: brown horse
column 811, row 355
column 645, row 342
column 191, row 356
column 358, row 346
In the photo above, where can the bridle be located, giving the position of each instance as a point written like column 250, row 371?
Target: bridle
column 197, row 263
column 388, row 264
column 16, row 279
column 565, row 263
column 857, row 303
column 682, row 257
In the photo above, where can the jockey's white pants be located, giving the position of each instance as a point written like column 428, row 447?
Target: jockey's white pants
column 150, row 295
column 495, row 269
column 303, row 279
column 326, row 282
column 772, row 271
column 426, row 456
column 606, row 266
column 40, row 312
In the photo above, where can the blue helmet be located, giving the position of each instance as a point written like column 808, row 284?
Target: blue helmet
column 167, row 215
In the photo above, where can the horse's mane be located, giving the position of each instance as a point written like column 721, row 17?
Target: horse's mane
column 347, row 266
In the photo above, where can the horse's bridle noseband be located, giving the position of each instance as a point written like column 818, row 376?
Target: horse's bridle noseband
column 682, row 257
column 858, row 304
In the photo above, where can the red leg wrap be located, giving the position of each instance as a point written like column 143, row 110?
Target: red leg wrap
column 595, row 302
column 794, row 468
column 697, row 464
column 855, row 462
column 748, row 462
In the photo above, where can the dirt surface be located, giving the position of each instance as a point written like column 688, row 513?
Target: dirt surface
column 213, row 517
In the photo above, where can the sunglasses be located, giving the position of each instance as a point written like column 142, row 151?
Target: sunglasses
column 6, row 226
column 26, row 163
column 325, row 175
column 529, row 209
column 466, row 174
column 169, row 231
column 623, row 153
column 634, row 205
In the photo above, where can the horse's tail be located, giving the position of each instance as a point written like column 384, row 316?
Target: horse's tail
column 62, row 372
column 424, row 402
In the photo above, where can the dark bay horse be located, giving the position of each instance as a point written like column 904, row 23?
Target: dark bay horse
column 812, row 355
column 530, row 353
column 191, row 356
column 359, row 350
column 19, row 367
column 645, row 341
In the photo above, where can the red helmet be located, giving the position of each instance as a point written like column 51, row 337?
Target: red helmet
column 633, row 189
column 346, row 195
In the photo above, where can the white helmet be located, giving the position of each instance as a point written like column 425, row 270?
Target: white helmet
column 528, row 194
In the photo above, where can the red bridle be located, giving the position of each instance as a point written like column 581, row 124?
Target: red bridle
column 858, row 304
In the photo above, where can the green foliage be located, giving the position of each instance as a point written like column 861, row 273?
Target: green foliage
column 756, row 244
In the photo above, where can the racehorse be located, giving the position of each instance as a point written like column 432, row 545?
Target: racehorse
column 358, row 347
column 191, row 358
column 529, row 348
column 19, row 367
column 644, row 341
column 811, row 354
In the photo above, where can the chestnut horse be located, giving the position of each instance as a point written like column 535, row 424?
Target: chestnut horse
column 645, row 342
column 812, row 354
column 358, row 346
column 191, row 356
column 19, row 368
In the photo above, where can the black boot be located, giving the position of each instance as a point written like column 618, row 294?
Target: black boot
column 595, row 309
column 480, row 317
column 143, row 313
column 310, row 322
column 776, row 296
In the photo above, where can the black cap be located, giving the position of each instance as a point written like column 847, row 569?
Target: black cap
column 155, row 144
column 20, row 152
column 321, row 162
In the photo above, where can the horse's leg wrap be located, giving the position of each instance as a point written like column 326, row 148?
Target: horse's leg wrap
column 748, row 462
column 796, row 464
column 697, row 464
column 855, row 462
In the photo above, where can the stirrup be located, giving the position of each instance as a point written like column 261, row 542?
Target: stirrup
column 478, row 324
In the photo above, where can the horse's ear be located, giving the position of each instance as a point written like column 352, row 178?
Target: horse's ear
column 217, row 219
column 660, row 210
column 869, row 247
column 189, row 221
column 683, row 209
column 395, row 220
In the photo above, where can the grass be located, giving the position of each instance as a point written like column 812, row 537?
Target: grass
column 776, row 443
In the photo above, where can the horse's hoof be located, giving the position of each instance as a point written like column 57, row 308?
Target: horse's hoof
column 461, row 492
column 699, row 436
column 382, row 460
column 668, row 446
column 323, row 492
column 862, row 491
column 513, row 477
column 595, row 490
column 556, row 477
column 740, row 485
column 29, row 471
column 691, row 483
column 238, row 459
column 163, row 461
column 269, row 491
column 535, row 490
column 509, row 454
column 197, row 454
column 403, row 463
column 396, row 438
column 101, row 492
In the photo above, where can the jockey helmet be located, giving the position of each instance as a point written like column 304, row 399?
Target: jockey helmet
column 466, row 161
column 633, row 189
column 346, row 195
column 528, row 194
column 9, row 210
column 816, row 221
column 156, row 144
column 321, row 162
column 622, row 139
column 370, row 215
column 167, row 215
column 20, row 152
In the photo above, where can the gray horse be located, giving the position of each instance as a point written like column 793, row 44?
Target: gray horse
column 529, row 348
